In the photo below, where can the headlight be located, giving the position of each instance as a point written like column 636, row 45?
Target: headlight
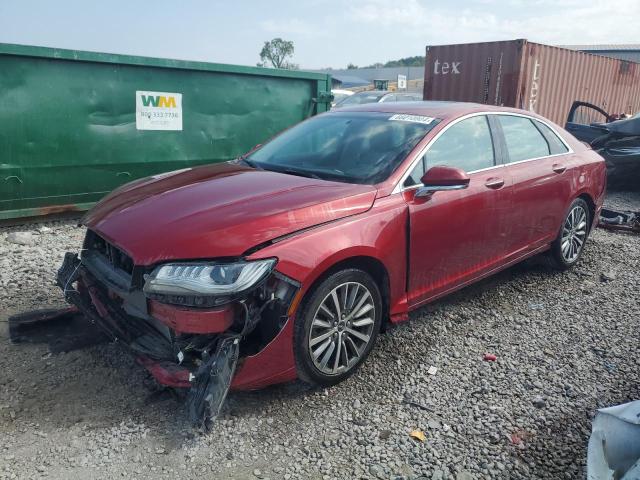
column 195, row 282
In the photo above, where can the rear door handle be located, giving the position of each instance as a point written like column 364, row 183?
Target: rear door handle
column 556, row 167
column 494, row 183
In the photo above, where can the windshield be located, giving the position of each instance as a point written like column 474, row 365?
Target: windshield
column 353, row 147
column 363, row 97
column 339, row 96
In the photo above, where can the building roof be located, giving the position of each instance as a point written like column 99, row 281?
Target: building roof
column 350, row 80
column 369, row 74
column 604, row 47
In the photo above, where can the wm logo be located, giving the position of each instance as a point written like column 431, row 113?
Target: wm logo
column 158, row 101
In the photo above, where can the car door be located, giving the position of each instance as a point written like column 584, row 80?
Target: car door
column 540, row 165
column 456, row 236
column 587, row 122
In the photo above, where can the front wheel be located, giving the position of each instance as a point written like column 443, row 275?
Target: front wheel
column 338, row 327
column 567, row 248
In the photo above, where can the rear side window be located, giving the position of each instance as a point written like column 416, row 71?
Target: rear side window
column 524, row 141
column 555, row 144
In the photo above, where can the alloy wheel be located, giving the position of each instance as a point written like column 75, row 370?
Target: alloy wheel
column 574, row 233
column 342, row 327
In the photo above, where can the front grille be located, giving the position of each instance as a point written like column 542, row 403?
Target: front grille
column 116, row 257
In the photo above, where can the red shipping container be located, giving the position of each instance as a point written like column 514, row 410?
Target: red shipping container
column 531, row 76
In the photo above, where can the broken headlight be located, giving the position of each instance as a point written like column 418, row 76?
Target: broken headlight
column 205, row 284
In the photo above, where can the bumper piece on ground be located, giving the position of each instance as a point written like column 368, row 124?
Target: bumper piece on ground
column 618, row 220
column 63, row 330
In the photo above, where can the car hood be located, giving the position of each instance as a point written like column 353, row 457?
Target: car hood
column 219, row 210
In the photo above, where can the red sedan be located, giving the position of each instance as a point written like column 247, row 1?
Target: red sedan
column 287, row 262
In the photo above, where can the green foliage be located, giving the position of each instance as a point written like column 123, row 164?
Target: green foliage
column 277, row 53
column 417, row 61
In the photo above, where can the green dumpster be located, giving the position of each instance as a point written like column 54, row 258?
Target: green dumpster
column 75, row 125
column 381, row 84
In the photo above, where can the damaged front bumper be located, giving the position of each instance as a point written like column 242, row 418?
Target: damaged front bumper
column 197, row 349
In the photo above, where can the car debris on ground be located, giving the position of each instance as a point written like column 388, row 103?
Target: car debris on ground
column 614, row 445
column 620, row 220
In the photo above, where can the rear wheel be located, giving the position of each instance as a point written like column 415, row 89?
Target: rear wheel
column 568, row 246
column 338, row 327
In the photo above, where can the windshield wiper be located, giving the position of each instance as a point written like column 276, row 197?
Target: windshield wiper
column 251, row 163
column 279, row 168
column 300, row 173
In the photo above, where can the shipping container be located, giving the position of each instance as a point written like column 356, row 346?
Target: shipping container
column 531, row 76
column 75, row 125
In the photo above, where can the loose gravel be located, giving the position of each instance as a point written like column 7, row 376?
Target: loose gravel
column 565, row 344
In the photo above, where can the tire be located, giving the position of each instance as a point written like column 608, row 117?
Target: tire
column 568, row 246
column 329, row 350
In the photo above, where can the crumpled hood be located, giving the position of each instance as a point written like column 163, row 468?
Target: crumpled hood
column 219, row 210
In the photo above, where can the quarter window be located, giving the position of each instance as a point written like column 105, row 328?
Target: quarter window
column 524, row 141
column 466, row 145
column 556, row 146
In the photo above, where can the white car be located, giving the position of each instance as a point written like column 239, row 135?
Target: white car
column 339, row 95
column 379, row 96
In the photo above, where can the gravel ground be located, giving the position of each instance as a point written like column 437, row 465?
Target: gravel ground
column 566, row 344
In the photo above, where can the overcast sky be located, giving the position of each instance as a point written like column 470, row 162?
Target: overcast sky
column 326, row 33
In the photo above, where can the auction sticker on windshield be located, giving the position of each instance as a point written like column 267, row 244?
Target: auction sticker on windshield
column 158, row 111
column 412, row 118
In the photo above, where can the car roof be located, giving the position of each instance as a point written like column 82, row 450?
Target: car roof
column 372, row 92
column 443, row 110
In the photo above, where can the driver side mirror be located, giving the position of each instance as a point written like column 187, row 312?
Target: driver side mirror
column 441, row 178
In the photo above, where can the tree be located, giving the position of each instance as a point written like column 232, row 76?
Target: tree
column 417, row 61
column 351, row 66
column 277, row 52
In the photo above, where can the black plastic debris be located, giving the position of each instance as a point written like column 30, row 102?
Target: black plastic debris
column 63, row 330
column 620, row 220
column 212, row 381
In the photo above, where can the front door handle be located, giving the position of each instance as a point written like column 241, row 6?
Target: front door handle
column 556, row 167
column 494, row 183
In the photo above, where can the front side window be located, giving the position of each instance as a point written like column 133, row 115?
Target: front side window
column 524, row 141
column 354, row 147
column 587, row 114
column 466, row 145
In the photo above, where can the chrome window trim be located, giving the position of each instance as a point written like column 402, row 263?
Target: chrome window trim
column 399, row 186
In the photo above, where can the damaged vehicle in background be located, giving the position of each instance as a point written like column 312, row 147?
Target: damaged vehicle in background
column 289, row 261
column 616, row 138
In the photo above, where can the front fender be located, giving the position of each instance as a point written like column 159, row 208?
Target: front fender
column 380, row 233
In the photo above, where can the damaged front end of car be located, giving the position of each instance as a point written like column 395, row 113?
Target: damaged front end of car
column 189, row 323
